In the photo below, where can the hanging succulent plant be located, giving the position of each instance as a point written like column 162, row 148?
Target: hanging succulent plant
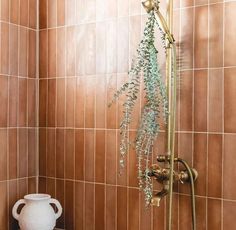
column 145, row 64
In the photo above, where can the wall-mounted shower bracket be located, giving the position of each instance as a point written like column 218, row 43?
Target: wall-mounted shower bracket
column 162, row 176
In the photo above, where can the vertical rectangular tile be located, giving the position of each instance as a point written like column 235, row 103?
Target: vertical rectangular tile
column 100, row 156
column 33, row 13
column 216, row 35
column 22, row 106
column 70, row 50
column 79, row 205
column 79, row 155
column 71, row 12
column 229, row 35
column 99, row 207
column 60, row 112
column 229, row 95
column 214, row 215
column 43, row 85
column 89, row 155
column 32, row 152
column 51, row 185
column 52, row 13
column 111, row 39
column 51, row 153
column 52, row 65
column 69, row 205
column 60, row 196
column 42, row 152
column 4, row 205
column 229, row 190
column 70, row 101
column 89, row 207
column 5, row 10
column 13, row 101
column 185, row 212
column 14, row 11
column 133, row 209
column 86, row 49
column 229, row 208
column 215, row 100
column 23, row 153
column 3, row 156
column 80, row 102
column 201, row 37
column 42, row 185
column 32, row 54
column 3, row 100
column 32, row 92
column 32, row 185
column 60, row 12
column 101, row 102
column 70, row 154
column 200, row 162
column 111, row 113
column 60, row 55
column 145, row 214
column 13, row 50
column 122, row 208
column 12, row 198
column 60, row 153
column 12, row 153
column 22, row 188
column 100, row 47
column 43, row 53
column 186, row 100
column 111, row 154
column 4, row 61
column 186, row 39
column 90, row 102
column 123, row 45
column 215, row 149
column 200, row 100
column 51, row 103
column 201, row 212
column 23, row 48
column 111, row 206
column 185, row 152
column 43, row 14
column 132, row 163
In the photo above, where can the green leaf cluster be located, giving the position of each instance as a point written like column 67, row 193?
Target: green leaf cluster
column 145, row 67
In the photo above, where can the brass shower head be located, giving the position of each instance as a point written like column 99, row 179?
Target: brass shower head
column 149, row 5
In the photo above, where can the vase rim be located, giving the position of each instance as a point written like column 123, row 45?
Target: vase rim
column 37, row 196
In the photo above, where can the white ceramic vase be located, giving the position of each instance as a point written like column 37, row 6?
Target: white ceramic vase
column 37, row 214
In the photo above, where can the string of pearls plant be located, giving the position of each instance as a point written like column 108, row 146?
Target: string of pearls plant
column 155, row 107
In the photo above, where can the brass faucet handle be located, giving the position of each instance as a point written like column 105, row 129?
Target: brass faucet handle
column 155, row 167
column 156, row 201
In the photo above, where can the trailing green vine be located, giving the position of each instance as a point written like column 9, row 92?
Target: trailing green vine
column 146, row 64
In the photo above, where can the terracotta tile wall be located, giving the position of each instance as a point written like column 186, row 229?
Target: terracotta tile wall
column 86, row 48
column 18, row 113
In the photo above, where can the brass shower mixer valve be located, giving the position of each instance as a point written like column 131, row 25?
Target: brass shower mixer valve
column 162, row 176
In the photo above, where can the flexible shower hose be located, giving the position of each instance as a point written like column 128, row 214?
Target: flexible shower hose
column 185, row 164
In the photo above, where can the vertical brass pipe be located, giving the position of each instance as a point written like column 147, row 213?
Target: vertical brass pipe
column 171, row 87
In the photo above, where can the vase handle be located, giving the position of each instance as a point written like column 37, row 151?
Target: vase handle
column 58, row 205
column 15, row 207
